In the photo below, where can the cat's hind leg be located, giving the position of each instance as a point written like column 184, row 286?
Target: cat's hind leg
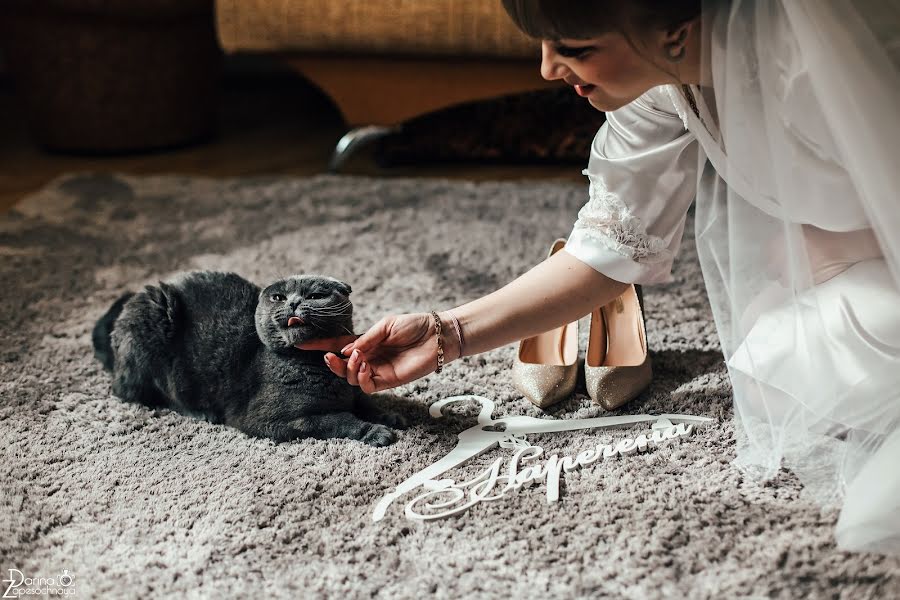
column 132, row 378
column 101, row 335
column 141, row 341
column 132, row 385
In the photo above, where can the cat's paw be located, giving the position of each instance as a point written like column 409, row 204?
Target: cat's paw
column 394, row 421
column 379, row 435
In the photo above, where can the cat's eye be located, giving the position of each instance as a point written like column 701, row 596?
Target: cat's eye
column 277, row 298
column 318, row 296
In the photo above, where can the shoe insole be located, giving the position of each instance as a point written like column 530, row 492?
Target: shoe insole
column 555, row 347
column 624, row 344
column 596, row 350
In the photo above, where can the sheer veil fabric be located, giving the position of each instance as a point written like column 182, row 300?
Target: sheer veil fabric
column 798, row 232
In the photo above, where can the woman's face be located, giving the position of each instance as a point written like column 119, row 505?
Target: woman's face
column 606, row 70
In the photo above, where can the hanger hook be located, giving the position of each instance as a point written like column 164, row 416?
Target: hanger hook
column 484, row 417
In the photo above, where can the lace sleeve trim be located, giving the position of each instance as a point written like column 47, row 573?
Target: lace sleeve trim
column 606, row 219
column 678, row 102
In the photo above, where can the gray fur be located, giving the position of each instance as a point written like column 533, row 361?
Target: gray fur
column 217, row 345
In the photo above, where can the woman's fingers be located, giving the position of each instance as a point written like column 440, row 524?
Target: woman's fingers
column 337, row 365
column 353, row 364
column 366, row 380
column 330, row 344
column 372, row 338
column 352, row 370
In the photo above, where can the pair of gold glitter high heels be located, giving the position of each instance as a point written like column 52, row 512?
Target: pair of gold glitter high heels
column 616, row 364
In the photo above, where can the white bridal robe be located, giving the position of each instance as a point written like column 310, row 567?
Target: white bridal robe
column 790, row 149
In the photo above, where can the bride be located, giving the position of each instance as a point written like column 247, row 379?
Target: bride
column 780, row 120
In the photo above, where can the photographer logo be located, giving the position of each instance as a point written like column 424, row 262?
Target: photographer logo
column 19, row 586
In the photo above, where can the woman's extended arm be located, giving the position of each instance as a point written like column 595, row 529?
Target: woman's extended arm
column 645, row 138
column 557, row 291
column 400, row 349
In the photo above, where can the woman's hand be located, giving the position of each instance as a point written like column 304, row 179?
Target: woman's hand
column 396, row 350
column 328, row 344
column 400, row 349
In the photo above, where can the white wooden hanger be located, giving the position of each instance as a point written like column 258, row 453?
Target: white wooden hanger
column 508, row 431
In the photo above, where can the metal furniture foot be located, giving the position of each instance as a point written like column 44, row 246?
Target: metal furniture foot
column 353, row 140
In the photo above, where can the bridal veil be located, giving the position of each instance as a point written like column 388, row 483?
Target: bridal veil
column 798, row 231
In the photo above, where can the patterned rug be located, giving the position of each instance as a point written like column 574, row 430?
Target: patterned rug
column 121, row 501
column 560, row 129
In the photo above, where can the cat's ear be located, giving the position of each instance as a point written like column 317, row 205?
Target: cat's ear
column 343, row 288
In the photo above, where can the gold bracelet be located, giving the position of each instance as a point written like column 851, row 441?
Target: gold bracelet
column 440, row 342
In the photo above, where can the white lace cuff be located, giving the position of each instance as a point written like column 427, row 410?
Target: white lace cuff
column 607, row 220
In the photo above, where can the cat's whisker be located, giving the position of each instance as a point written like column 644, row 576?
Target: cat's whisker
column 326, row 323
column 331, row 315
column 318, row 326
column 337, row 305
column 344, row 304
column 329, row 312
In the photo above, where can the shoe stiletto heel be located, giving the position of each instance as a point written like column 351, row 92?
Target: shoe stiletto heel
column 617, row 366
column 546, row 367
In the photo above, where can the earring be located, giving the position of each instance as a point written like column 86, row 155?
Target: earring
column 675, row 50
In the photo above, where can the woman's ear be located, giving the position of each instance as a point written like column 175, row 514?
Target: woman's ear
column 675, row 41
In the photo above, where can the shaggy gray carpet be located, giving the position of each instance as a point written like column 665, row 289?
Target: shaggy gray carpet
column 134, row 502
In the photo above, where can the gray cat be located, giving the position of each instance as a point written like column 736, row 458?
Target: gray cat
column 216, row 345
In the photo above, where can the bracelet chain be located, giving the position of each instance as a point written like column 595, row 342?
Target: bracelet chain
column 440, row 342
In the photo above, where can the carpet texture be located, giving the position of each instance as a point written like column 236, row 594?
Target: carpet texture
column 561, row 129
column 134, row 502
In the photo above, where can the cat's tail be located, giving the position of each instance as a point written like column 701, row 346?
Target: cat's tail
column 103, row 330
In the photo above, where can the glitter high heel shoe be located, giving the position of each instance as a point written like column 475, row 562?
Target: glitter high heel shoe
column 546, row 368
column 616, row 365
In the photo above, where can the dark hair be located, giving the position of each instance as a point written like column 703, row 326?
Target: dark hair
column 585, row 19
